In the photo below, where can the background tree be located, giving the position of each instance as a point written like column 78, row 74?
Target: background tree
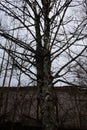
column 79, row 69
column 45, row 33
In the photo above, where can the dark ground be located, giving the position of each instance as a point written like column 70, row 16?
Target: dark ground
column 19, row 126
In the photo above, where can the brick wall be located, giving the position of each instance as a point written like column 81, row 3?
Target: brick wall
column 21, row 105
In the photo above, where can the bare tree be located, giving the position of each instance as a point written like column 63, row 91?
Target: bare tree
column 79, row 69
column 46, row 30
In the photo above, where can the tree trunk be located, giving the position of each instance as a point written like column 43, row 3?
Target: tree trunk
column 44, row 78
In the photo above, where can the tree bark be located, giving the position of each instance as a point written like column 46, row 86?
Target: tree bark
column 44, row 78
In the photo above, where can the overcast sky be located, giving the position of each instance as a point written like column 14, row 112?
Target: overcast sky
column 76, row 13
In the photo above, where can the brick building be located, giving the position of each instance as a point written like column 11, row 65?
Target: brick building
column 21, row 105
